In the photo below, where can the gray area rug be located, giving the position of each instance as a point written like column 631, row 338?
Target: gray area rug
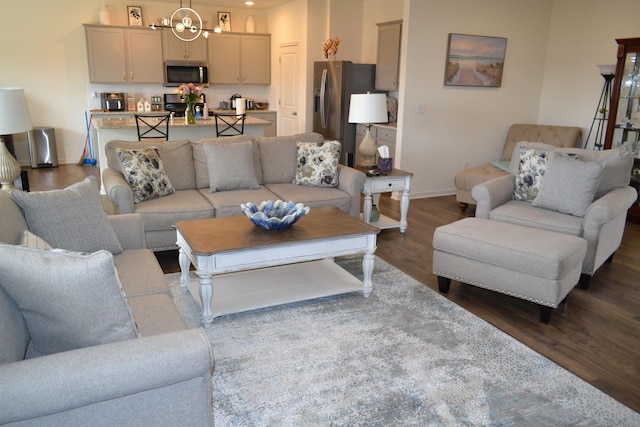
column 404, row 356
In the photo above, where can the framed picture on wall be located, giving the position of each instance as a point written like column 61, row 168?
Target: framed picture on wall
column 474, row 60
column 224, row 21
column 135, row 15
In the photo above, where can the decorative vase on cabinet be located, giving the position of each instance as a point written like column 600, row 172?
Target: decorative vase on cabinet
column 623, row 128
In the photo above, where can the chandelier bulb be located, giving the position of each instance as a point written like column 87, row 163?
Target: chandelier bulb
column 179, row 27
column 187, row 21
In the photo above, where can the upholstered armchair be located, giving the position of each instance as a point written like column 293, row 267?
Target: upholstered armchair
column 574, row 191
column 561, row 136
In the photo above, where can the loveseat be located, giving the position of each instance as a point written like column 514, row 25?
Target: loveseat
column 191, row 167
column 90, row 335
column 560, row 136
column 574, row 191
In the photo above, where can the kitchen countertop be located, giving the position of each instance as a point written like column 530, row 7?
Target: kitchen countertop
column 104, row 113
column 178, row 122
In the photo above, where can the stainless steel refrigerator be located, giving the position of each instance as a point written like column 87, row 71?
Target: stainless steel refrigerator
column 333, row 84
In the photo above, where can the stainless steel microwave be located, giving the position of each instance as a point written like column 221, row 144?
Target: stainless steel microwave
column 178, row 72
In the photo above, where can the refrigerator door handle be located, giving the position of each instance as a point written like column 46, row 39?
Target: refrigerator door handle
column 323, row 92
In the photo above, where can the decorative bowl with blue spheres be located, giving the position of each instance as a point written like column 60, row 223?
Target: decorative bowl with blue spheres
column 274, row 215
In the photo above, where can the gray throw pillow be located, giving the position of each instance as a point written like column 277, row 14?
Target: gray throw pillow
column 144, row 171
column 69, row 300
column 230, row 166
column 569, row 184
column 72, row 218
column 318, row 164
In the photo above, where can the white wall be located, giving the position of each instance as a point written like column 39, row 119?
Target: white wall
column 465, row 124
column 582, row 35
column 375, row 12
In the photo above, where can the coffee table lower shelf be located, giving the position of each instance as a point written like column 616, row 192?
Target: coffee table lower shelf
column 268, row 287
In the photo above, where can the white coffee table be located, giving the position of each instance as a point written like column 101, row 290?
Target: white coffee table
column 242, row 267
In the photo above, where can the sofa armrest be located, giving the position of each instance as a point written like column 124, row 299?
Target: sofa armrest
column 609, row 206
column 492, row 194
column 130, row 230
column 118, row 190
column 351, row 181
column 106, row 376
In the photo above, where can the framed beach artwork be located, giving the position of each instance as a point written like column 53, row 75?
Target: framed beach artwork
column 135, row 15
column 224, row 21
column 474, row 60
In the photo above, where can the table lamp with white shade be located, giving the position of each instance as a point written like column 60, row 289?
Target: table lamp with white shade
column 368, row 108
column 14, row 118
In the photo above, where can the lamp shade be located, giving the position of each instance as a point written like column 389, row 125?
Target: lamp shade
column 368, row 108
column 607, row 69
column 14, row 116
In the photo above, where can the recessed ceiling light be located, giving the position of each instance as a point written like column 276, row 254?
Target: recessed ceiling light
column 249, row 3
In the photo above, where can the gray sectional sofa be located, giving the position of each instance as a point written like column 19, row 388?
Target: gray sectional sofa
column 63, row 359
column 189, row 169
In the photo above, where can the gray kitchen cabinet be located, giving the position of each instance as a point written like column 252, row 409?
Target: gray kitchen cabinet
column 388, row 62
column 240, row 58
column 174, row 49
column 270, row 116
column 124, row 55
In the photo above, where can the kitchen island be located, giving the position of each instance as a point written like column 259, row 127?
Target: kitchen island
column 124, row 129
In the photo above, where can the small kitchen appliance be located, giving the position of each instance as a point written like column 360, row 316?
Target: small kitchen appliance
column 232, row 100
column 174, row 104
column 112, row 101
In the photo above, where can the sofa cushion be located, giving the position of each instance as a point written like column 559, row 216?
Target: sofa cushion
column 279, row 156
column 144, row 171
column 314, row 197
column 230, row 166
column 140, row 273
column 227, row 203
column 530, row 172
column 81, row 305
column 14, row 335
column 72, row 218
column 200, row 157
column 162, row 213
column 569, row 184
column 13, row 223
column 177, row 157
column 522, row 213
column 318, row 164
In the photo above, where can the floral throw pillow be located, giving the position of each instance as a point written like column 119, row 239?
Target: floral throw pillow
column 532, row 167
column 318, row 164
column 144, row 171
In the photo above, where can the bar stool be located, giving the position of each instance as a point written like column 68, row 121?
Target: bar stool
column 152, row 126
column 229, row 124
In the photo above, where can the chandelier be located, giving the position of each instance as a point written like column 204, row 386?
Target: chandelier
column 185, row 23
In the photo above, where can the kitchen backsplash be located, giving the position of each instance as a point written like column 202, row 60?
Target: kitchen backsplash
column 214, row 93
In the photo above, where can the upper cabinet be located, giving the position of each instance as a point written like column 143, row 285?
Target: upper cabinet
column 174, row 49
column 388, row 63
column 240, row 58
column 124, row 55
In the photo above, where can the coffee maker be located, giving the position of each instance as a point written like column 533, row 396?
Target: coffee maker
column 112, row 101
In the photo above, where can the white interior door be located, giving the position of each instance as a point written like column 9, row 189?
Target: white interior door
column 288, row 118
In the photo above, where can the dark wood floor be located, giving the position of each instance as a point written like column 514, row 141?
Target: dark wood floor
column 596, row 335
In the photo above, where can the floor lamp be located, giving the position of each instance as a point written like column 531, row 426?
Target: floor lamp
column 368, row 108
column 604, row 104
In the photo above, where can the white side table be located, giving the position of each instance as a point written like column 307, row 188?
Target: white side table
column 374, row 185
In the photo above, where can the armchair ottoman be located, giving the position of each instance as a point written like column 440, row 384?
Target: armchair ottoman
column 534, row 265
